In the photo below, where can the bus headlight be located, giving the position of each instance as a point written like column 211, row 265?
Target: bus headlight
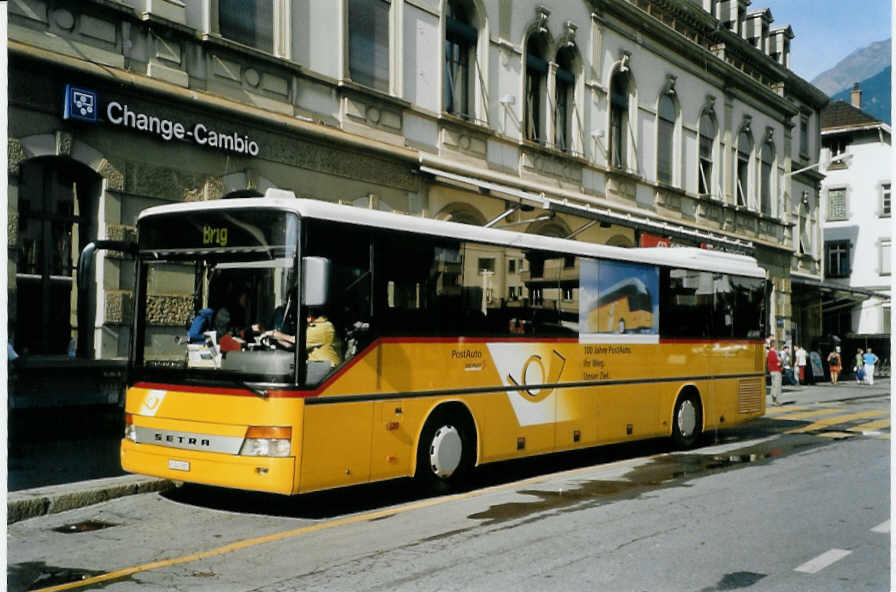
column 130, row 430
column 267, row 441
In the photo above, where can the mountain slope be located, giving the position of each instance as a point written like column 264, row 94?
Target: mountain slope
column 859, row 65
column 875, row 95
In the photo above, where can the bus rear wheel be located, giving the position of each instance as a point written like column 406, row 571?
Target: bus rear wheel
column 687, row 421
column 445, row 452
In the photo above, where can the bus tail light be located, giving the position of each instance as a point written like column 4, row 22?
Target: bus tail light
column 266, row 441
column 130, row 431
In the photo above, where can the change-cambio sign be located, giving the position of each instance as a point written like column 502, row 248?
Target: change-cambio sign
column 84, row 105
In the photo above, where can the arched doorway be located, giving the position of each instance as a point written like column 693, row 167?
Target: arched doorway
column 56, row 197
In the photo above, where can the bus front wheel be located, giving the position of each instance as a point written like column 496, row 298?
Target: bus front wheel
column 687, row 421
column 445, row 452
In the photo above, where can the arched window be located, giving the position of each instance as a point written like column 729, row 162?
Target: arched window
column 707, row 140
column 551, row 228
column 744, row 148
column 460, row 60
column 564, row 103
column 536, row 77
column 767, row 157
column 618, row 117
column 619, row 240
column 665, row 139
column 461, row 213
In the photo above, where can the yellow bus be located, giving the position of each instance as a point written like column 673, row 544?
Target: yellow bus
column 290, row 345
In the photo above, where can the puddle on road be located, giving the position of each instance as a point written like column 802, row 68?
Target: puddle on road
column 672, row 470
column 36, row 575
column 86, row 526
column 735, row 581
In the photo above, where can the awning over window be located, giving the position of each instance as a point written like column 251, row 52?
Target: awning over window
column 834, row 297
column 630, row 220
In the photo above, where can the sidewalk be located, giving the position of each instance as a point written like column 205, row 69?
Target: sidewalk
column 75, row 466
column 824, row 391
column 63, row 458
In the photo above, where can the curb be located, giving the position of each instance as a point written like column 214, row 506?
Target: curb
column 30, row 503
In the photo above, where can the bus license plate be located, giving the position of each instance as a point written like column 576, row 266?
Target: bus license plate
column 178, row 465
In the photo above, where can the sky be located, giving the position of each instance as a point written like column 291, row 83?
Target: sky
column 826, row 31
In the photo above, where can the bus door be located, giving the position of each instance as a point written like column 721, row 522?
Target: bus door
column 339, row 420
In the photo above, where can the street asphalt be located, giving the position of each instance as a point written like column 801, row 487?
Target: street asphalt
column 49, row 473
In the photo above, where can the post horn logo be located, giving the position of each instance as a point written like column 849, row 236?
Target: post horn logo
column 538, row 383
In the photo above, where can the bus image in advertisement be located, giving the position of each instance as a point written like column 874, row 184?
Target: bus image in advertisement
column 623, row 297
column 290, row 345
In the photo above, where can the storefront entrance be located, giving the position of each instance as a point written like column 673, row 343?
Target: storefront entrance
column 55, row 198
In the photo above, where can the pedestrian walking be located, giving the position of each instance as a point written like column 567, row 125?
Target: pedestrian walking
column 802, row 357
column 773, row 363
column 870, row 360
column 859, row 367
column 835, row 364
column 787, row 366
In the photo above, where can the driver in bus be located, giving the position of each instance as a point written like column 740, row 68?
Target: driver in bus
column 231, row 320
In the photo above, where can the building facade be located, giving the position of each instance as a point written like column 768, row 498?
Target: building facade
column 623, row 122
column 857, row 227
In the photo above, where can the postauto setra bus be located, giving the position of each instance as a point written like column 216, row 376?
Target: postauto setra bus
column 455, row 345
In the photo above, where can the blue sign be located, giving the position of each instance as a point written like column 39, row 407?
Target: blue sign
column 80, row 104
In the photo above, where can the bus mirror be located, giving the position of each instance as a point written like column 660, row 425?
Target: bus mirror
column 85, row 261
column 315, row 281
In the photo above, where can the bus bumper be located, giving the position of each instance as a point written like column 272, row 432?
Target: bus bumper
column 256, row 473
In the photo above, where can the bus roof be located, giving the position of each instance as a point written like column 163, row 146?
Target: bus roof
column 686, row 257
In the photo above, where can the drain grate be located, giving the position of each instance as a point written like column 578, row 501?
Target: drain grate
column 62, row 576
column 86, row 526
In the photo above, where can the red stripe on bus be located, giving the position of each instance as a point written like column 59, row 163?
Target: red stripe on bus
column 722, row 341
column 215, row 390
column 316, row 392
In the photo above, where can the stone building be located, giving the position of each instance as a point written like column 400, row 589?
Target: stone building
column 624, row 122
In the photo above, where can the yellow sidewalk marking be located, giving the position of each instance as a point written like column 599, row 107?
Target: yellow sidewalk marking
column 836, row 435
column 825, row 423
column 808, row 414
column 779, row 410
column 277, row 536
column 871, row 426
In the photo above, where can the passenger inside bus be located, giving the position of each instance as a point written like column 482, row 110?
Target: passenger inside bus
column 319, row 339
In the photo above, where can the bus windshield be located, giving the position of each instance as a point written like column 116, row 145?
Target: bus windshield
column 219, row 296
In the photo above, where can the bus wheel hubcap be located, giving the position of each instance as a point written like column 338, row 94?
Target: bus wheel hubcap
column 687, row 418
column 445, row 451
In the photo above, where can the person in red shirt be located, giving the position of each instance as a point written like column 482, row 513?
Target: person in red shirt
column 773, row 362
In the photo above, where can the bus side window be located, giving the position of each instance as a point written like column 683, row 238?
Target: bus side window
column 551, row 284
column 419, row 286
column 687, row 303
